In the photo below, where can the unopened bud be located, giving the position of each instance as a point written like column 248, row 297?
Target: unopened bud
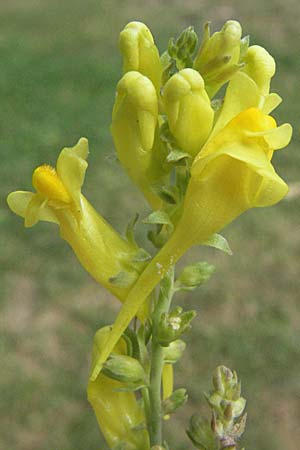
column 177, row 399
column 188, row 110
column 134, row 126
column 172, row 325
column 218, row 55
column 194, row 276
column 124, row 368
column 200, row 433
column 140, row 53
column 174, row 351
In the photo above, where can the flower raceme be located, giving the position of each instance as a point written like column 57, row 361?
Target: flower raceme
column 231, row 174
column 58, row 198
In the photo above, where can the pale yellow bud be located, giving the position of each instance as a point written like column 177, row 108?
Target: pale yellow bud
column 140, row 53
column 260, row 66
column 134, row 126
column 188, row 109
column 218, row 56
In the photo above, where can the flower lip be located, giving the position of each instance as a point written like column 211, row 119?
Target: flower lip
column 47, row 183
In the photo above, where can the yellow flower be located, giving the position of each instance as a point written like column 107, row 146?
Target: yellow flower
column 232, row 173
column 99, row 248
column 188, row 109
column 218, row 56
column 140, row 53
column 241, row 94
column 134, row 129
column 117, row 411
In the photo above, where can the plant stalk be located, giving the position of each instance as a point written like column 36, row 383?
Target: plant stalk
column 157, row 360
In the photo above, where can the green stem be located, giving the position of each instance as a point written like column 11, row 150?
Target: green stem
column 157, row 360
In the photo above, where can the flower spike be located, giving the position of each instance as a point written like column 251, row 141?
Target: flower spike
column 230, row 175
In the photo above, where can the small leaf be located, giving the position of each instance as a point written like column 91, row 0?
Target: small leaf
column 245, row 42
column 130, row 230
column 122, row 279
column 219, row 242
column 158, row 217
column 216, row 104
column 140, row 426
column 176, row 155
column 141, row 256
column 169, row 194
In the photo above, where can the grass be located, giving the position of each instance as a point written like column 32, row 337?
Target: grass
column 59, row 68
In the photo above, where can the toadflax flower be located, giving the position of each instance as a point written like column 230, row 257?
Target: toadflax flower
column 231, row 174
column 134, row 129
column 117, row 410
column 58, row 198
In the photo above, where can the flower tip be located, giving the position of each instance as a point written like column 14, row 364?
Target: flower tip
column 82, row 147
column 233, row 29
column 18, row 201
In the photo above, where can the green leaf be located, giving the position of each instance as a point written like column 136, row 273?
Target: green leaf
column 141, row 256
column 130, row 230
column 219, row 242
column 122, row 279
column 158, row 217
column 245, row 42
column 193, row 276
column 169, row 194
column 176, row 155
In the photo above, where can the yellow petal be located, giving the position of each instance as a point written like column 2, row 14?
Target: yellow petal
column 117, row 412
column 71, row 167
column 277, row 138
column 271, row 101
column 167, row 379
column 167, row 383
column 18, row 202
column 260, row 66
column 241, row 94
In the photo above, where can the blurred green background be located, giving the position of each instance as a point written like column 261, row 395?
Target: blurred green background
column 59, row 67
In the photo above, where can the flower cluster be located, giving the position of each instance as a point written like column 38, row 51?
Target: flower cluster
column 201, row 156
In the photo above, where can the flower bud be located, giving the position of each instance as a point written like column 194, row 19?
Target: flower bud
column 177, row 399
column 188, row 109
column 218, row 56
column 194, row 276
column 226, row 399
column 140, row 53
column 134, row 126
column 260, row 66
column 200, row 433
column 124, row 368
column 172, row 325
column 174, row 351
